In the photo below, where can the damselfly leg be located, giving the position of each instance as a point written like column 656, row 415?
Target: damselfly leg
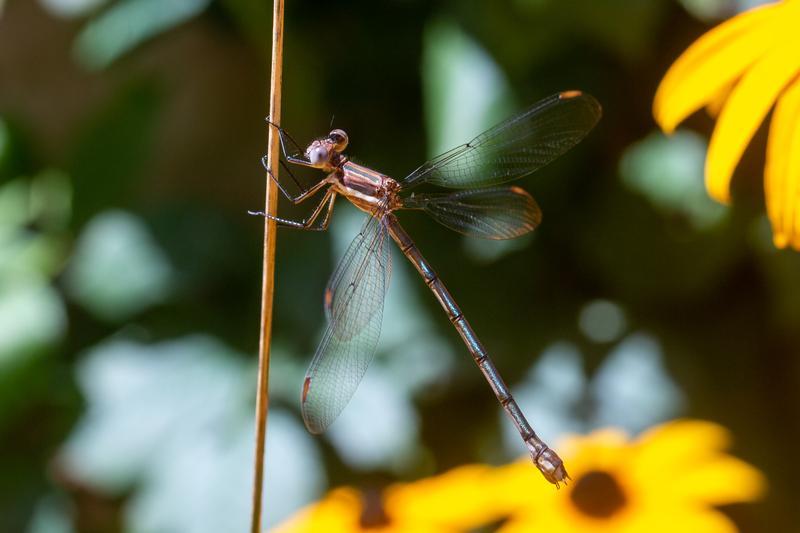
column 325, row 205
column 304, row 192
column 295, row 158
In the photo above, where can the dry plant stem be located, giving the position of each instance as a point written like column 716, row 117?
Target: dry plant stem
column 267, row 282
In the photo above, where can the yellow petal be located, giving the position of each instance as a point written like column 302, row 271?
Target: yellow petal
column 721, row 481
column 462, row 498
column 338, row 511
column 679, row 444
column 689, row 520
column 746, row 108
column 707, row 522
column 712, row 62
column 782, row 172
column 717, row 101
column 519, row 486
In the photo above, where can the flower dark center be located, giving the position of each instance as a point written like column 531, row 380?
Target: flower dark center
column 373, row 515
column 491, row 527
column 598, row 494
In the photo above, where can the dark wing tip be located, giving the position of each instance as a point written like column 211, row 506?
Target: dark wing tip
column 566, row 95
column 591, row 102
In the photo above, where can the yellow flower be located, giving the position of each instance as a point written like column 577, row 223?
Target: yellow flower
column 669, row 479
column 740, row 69
column 455, row 501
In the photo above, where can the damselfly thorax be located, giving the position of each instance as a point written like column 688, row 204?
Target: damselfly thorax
column 367, row 189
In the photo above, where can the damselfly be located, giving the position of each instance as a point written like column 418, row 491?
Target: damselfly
column 355, row 293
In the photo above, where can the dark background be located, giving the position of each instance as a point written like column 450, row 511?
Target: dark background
column 121, row 157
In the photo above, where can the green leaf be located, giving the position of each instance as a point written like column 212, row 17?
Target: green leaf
column 33, row 319
column 174, row 420
column 669, row 172
column 25, row 254
column 117, row 268
column 127, row 24
column 71, row 8
column 465, row 91
column 52, row 515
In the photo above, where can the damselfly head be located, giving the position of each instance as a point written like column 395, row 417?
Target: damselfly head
column 321, row 151
column 339, row 140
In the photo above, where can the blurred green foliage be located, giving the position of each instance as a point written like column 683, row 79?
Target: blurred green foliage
column 127, row 24
column 130, row 138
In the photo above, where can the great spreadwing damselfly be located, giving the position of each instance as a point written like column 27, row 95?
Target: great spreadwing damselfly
column 478, row 208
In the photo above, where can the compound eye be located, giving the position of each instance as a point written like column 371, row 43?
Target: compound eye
column 339, row 139
column 318, row 155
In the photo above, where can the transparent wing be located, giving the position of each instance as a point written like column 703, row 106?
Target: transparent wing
column 356, row 295
column 354, row 252
column 495, row 213
column 513, row 148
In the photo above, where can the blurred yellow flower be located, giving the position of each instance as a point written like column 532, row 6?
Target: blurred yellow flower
column 740, row 69
column 455, row 501
column 668, row 479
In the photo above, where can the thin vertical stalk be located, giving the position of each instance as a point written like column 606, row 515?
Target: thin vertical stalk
column 267, row 281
